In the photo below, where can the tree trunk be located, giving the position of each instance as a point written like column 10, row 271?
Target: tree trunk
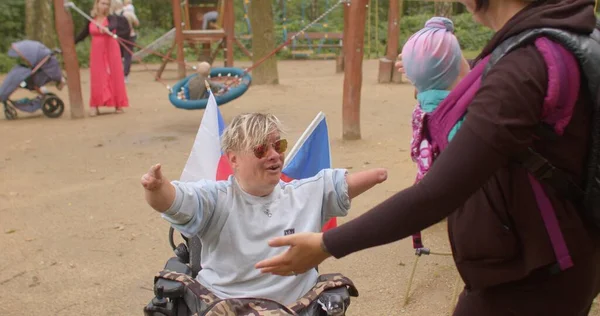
column 314, row 10
column 263, row 42
column 39, row 22
column 65, row 28
column 443, row 9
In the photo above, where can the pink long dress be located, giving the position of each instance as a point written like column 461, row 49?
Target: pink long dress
column 107, row 82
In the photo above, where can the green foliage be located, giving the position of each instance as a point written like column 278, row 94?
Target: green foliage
column 156, row 19
column 296, row 14
column 472, row 36
column 12, row 27
column 6, row 63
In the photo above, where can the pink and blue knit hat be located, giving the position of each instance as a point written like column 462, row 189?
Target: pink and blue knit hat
column 432, row 56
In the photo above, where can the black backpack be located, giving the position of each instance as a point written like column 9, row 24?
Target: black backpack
column 587, row 51
column 123, row 29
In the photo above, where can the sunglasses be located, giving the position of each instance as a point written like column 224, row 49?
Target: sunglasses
column 261, row 150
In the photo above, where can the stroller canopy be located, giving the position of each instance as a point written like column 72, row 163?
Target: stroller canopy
column 32, row 53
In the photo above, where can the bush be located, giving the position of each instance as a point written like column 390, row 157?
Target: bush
column 6, row 63
column 12, row 27
column 472, row 36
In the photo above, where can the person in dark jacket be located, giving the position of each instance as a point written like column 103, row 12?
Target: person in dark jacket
column 498, row 237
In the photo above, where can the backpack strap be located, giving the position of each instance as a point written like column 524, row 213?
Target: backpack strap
column 578, row 48
column 564, row 80
column 556, row 178
column 559, row 102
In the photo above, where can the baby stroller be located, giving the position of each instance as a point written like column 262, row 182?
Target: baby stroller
column 37, row 67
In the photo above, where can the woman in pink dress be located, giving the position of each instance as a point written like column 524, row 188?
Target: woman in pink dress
column 107, row 87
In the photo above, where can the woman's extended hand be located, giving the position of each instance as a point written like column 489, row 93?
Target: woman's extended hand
column 399, row 65
column 305, row 253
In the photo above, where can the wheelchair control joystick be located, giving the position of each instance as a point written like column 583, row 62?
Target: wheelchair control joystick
column 160, row 306
column 159, row 300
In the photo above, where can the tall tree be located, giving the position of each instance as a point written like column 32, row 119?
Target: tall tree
column 443, row 9
column 39, row 22
column 263, row 42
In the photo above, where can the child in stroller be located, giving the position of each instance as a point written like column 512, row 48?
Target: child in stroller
column 37, row 67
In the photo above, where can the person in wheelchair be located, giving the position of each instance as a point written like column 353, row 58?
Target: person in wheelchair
column 235, row 218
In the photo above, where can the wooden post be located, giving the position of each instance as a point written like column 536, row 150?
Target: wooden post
column 353, row 69
column 185, row 5
column 229, row 32
column 342, row 57
column 64, row 25
column 178, row 38
column 396, row 75
column 386, row 64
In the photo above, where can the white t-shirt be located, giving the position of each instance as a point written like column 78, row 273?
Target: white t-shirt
column 234, row 228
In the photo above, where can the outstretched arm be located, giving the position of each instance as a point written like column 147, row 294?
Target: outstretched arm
column 160, row 193
column 188, row 206
column 362, row 181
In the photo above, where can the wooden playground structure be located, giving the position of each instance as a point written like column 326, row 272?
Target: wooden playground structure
column 311, row 44
column 187, row 17
column 188, row 20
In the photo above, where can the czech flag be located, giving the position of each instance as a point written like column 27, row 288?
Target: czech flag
column 309, row 155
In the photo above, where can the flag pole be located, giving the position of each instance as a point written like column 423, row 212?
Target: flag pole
column 303, row 137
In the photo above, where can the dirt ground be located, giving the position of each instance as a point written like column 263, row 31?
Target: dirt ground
column 77, row 237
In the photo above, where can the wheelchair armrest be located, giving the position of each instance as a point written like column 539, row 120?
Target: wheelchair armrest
column 172, row 289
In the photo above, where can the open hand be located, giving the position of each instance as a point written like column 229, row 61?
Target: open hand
column 399, row 65
column 305, row 253
column 153, row 179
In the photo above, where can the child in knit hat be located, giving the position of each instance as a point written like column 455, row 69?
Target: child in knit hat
column 434, row 64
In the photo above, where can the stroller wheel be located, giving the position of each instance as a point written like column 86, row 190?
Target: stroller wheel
column 52, row 106
column 10, row 113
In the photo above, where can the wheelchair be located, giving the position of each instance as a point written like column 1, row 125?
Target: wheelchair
column 177, row 293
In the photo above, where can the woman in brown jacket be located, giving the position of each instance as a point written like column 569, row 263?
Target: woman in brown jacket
column 499, row 241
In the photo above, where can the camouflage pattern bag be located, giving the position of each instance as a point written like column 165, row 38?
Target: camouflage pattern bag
column 201, row 301
column 325, row 282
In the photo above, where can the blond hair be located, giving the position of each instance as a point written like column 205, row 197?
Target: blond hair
column 116, row 6
column 94, row 12
column 249, row 130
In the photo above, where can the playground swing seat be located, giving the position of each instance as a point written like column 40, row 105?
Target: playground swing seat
column 178, row 293
column 242, row 81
